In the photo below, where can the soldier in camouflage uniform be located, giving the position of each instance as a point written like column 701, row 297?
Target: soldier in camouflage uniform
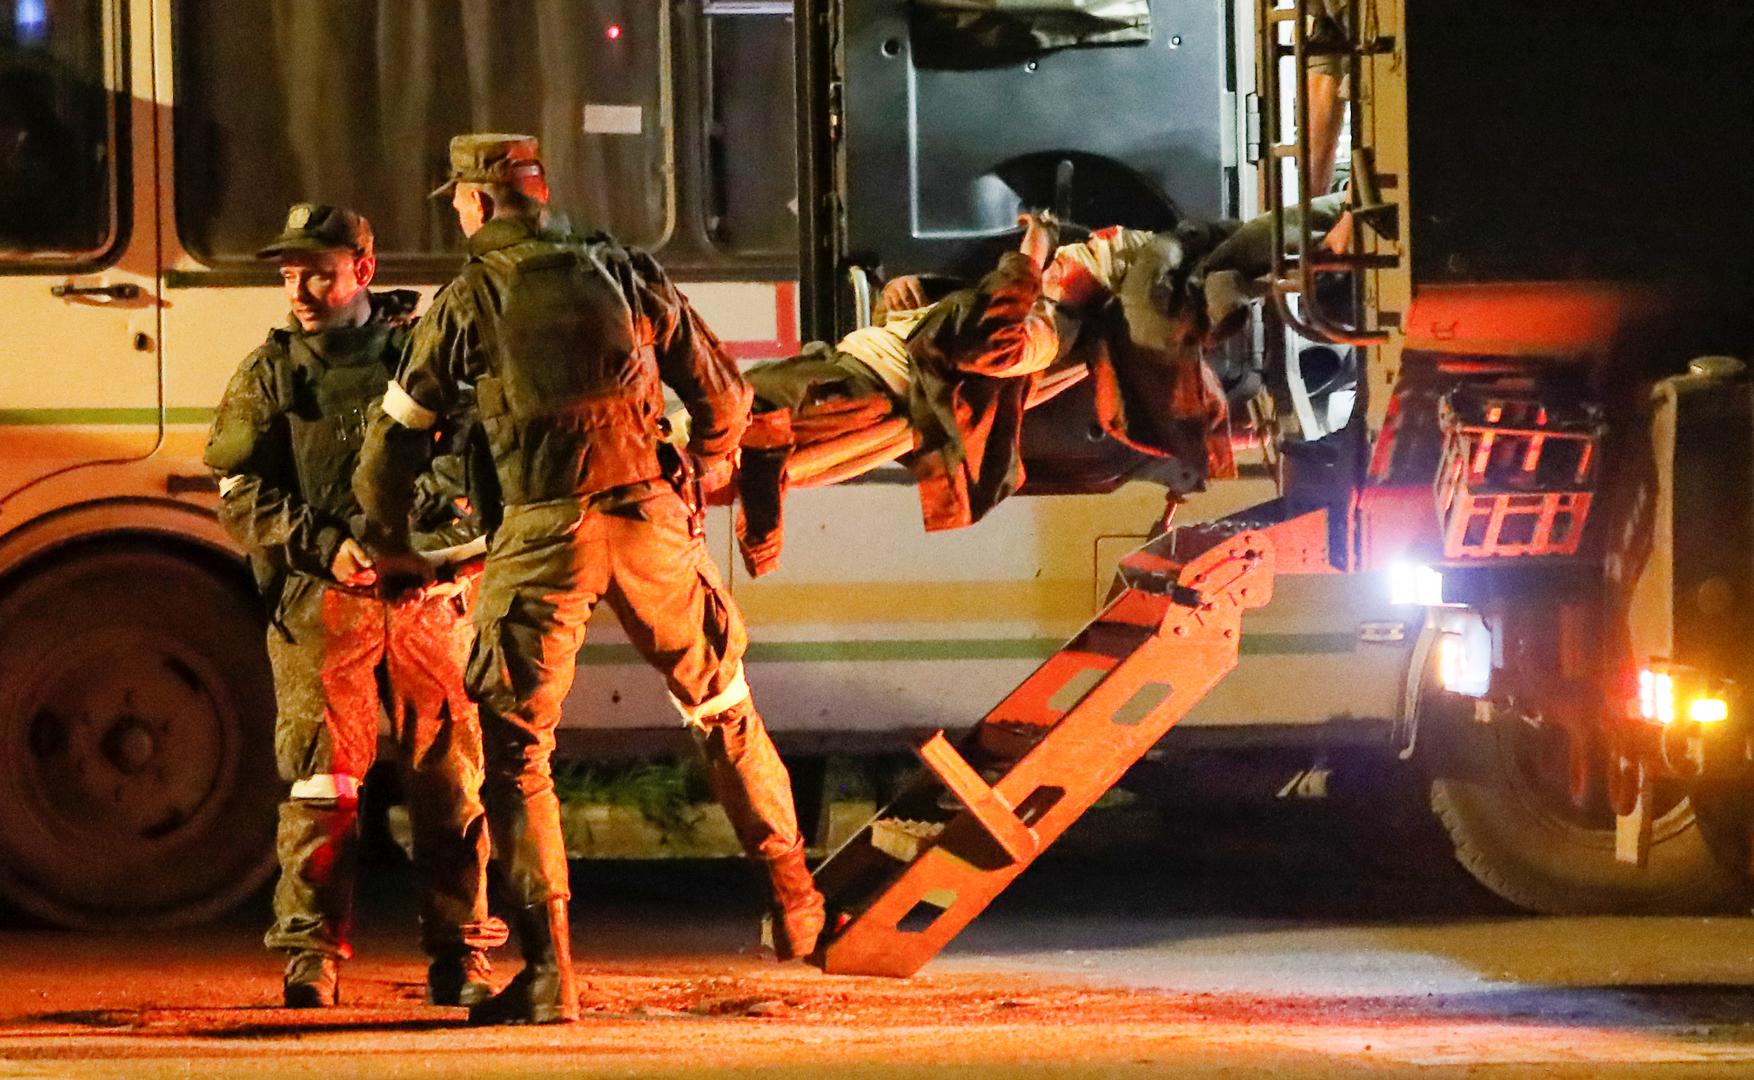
column 284, row 443
column 567, row 343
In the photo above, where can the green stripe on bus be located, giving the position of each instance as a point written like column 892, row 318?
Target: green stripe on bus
column 816, row 652
column 1288, row 644
column 102, row 417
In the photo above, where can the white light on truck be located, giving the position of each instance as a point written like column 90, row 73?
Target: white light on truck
column 1656, row 696
column 1410, row 583
column 1464, row 657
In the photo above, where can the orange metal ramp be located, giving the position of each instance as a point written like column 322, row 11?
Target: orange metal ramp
column 980, row 812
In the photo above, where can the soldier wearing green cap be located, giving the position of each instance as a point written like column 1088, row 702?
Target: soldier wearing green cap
column 568, row 343
column 284, row 444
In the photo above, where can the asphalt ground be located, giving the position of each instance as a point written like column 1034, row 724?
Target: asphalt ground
column 1275, row 953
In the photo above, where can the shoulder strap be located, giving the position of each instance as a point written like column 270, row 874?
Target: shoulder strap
column 282, row 367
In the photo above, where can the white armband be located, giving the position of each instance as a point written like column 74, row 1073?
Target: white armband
column 324, row 786
column 405, row 410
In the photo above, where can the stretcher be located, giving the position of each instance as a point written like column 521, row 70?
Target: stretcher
column 835, row 460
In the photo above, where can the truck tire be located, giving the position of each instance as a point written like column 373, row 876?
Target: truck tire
column 1499, row 791
column 137, row 779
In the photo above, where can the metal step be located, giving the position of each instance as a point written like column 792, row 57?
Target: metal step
column 980, row 812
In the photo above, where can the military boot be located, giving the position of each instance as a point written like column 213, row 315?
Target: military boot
column 545, row 991
column 750, row 781
column 459, row 978
column 312, row 981
column 761, row 485
column 798, row 911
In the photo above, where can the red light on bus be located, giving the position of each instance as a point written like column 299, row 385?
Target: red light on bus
column 612, row 32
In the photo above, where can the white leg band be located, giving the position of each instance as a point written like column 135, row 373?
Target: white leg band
column 337, row 786
column 730, row 697
column 405, row 410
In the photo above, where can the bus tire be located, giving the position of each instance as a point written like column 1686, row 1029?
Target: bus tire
column 137, row 779
column 1515, row 831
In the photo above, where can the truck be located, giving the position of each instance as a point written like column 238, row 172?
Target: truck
column 1520, row 510
column 1531, row 491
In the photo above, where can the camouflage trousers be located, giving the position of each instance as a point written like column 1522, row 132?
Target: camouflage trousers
column 548, row 565
column 342, row 658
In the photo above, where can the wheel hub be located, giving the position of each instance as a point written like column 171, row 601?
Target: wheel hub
column 129, row 745
column 127, row 739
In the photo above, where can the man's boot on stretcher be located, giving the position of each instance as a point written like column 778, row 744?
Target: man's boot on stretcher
column 546, row 991
column 761, row 483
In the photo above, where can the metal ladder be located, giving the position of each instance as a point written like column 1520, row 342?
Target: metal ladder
column 979, row 813
column 1283, row 29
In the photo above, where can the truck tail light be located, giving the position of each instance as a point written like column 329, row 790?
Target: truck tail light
column 1662, row 701
column 1708, row 710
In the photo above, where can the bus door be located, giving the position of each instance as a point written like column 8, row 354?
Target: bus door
column 927, row 126
column 79, row 340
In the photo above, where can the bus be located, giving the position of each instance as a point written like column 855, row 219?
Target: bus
column 780, row 159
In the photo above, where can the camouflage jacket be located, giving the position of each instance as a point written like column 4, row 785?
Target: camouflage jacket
column 287, row 435
column 548, row 424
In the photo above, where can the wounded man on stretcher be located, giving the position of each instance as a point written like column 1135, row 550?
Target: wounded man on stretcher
column 944, row 375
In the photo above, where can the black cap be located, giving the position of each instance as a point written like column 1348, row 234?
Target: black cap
column 316, row 227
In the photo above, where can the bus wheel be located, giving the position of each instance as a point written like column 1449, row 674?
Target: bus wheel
column 137, row 780
column 1500, row 792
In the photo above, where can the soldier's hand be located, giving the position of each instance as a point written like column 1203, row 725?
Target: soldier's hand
column 402, row 572
column 905, row 293
column 715, row 473
column 1068, row 281
column 352, row 566
column 1041, row 234
column 1339, row 238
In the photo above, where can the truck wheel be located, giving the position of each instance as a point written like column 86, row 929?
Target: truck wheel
column 137, row 780
column 1500, row 792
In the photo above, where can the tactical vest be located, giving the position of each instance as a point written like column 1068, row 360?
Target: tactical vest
column 573, row 402
column 326, row 384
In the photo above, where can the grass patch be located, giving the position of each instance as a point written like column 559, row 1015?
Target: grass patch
column 666, row 792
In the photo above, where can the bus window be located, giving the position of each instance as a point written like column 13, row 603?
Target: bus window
column 958, row 33
column 57, row 133
column 751, row 133
column 354, row 103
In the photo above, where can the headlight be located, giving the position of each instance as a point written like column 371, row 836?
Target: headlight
column 1415, row 585
column 1464, row 654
